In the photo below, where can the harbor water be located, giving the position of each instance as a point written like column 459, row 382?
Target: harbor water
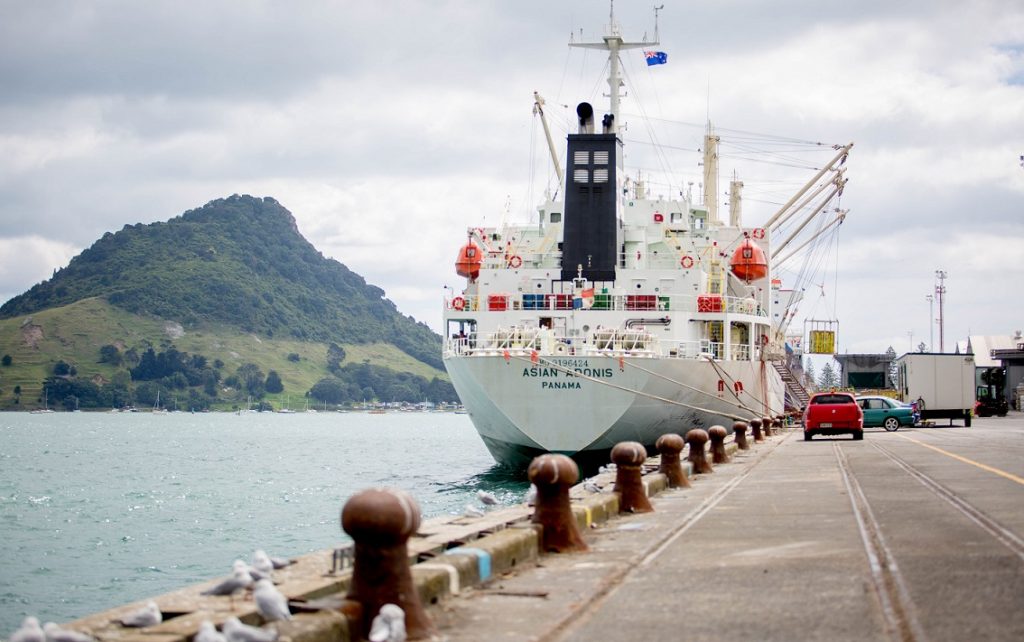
column 100, row 509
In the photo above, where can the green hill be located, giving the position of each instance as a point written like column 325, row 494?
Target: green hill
column 230, row 284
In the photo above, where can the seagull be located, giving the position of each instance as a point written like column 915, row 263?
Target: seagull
column 148, row 615
column 209, row 633
column 610, row 468
column 473, row 511
column 389, row 625
column 30, row 631
column 487, row 499
column 56, row 634
column 235, row 631
column 240, row 580
column 591, row 486
column 262, row 564
column 270, row 602
column 280, row 562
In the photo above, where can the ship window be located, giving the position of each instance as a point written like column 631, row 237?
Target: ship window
column 676, row 217
column 580, row 176
column 600, row 158
column 556, row 217
column 581, row 158
column 600, row 176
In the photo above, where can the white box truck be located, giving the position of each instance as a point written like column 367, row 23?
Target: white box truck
column 942, row 385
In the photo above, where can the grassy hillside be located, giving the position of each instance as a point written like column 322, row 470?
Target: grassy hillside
column 75, row 333
column 237, row 262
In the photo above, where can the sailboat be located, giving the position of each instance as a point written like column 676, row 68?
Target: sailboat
column 157, row 408
column 46, row 406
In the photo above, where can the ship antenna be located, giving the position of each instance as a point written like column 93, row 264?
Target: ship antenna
column 656, row 10
column 613, row 44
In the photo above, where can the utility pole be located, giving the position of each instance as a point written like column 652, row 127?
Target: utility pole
column 931, row 321
column 940, row 289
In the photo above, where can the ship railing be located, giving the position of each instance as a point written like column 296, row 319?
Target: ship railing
column 543, row 342
column 704, row 303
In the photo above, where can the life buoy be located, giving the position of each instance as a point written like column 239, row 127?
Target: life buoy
column 686, row 262
column 458, row 303
column 758, row 233
column 514, row 261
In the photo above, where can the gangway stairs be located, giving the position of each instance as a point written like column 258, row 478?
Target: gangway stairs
column 796, row 395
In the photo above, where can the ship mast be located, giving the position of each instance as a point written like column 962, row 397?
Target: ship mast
column 613, row 43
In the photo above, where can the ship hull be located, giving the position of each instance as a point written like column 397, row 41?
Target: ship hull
column 583, row 406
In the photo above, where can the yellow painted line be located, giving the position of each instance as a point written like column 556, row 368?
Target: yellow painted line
column 590, row 516
column 1001, row 473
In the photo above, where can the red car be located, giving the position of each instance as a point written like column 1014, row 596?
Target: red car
column 833, row 413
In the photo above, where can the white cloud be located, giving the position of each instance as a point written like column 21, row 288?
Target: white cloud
column 387, row 129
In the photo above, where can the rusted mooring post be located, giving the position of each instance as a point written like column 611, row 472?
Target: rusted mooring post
column 755, row 430
column 766, row 425
column 629, row 456
column 697, row 439
column 739, row 429
column 669, row 446
column 380, row 521
column 717, row 435
column 553, row 475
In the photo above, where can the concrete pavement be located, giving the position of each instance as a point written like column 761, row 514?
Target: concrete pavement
column 909, row 535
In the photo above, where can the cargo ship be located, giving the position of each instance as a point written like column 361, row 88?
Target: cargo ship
column 618, row 315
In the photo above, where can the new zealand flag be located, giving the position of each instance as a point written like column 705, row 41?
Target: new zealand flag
column 656, row 57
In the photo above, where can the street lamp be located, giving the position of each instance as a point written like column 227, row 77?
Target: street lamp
column 931, row 321
column 940, row 289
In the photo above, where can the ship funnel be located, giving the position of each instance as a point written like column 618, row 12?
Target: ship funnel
column 586, row 116
column 608, row 123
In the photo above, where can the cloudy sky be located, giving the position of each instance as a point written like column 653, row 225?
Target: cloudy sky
column 389, row 127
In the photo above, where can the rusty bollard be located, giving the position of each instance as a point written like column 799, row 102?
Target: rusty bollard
column 780, row 422
column 629, row 456
column 553, row 475
column 717, row 435
column 381, row 520
column 755, row 430
column 739, row 429
column 697, row 439
column 669, row 446
column 766, row 426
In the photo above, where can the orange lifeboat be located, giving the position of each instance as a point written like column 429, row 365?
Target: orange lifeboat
column 748, row 261
column 469, row 261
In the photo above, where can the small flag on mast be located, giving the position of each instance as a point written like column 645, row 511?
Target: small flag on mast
column 656, row 57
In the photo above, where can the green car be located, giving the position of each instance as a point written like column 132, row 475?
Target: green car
column 885, row 412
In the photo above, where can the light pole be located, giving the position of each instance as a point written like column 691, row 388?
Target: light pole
column 931, row 321
column 940, row 289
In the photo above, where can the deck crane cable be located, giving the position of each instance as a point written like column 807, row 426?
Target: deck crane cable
column 551, row 364
column 814, row 260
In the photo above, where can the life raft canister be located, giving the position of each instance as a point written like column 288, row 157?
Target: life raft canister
column 749, row 262
column 469, row 261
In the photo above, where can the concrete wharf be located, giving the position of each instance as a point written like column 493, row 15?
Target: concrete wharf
column 910, row 535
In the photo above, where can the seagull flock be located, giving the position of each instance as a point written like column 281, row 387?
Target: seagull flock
column 256, row 577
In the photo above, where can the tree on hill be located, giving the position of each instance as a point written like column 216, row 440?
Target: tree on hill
column 251, row 378
column 273, row 384
column 6, row 360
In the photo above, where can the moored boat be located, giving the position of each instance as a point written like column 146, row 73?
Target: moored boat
column 619, row 315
